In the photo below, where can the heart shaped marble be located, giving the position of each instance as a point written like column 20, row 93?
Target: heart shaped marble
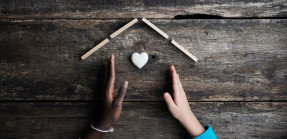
column 140, row 59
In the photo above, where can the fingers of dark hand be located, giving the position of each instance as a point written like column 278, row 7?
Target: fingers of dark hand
column 122, row 92
column 112, row 66
column 106, row 73
column 111, row 82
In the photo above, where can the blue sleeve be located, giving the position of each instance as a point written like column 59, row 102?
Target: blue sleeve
column 208, row 134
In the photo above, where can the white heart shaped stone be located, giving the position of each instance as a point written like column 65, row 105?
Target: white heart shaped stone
column 140, row 59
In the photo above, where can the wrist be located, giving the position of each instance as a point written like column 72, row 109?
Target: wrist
column 192, row 125
column 186, row 118
column 103, row 125
column 98, row 132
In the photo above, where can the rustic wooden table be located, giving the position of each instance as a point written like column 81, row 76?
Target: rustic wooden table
column 239, row 85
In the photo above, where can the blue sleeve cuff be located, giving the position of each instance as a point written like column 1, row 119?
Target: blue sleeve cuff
column 208, row 134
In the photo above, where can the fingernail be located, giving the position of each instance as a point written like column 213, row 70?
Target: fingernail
column 172, row 67
column 112, row 56
column 166, row 95
column 126, row 83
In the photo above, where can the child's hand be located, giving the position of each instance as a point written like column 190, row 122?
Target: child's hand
column 179, row 107
column 113, row 105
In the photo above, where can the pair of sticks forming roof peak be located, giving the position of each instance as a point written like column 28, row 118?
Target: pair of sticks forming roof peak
column 113, row 35
column 101, row 44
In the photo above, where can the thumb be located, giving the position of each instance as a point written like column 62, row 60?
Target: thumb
column 121, row 94
column 170, row 103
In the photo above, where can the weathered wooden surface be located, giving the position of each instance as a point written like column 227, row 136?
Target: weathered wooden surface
column 239, row 60
column 46, row 89
column 143, row 120
column 142, row 8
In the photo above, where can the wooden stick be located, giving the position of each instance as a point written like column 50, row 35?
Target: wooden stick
column 124, row 28
column 95, row 49
column 184, row 50
column 155, row 28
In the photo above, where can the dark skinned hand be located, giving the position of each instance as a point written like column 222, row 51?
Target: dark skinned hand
column 112, row 106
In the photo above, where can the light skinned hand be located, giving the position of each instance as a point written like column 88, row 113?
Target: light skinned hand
column 112, row 106
column 179, row 107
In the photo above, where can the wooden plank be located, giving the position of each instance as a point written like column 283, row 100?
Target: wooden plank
column 144, row 8
column 69, row 120
column 239, row 60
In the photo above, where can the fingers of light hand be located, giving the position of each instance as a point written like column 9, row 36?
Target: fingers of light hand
column 121, row 94
column 178, row 81
column 170, row 103
column 174, row 79
column 174, row 83
column 182, row 92
column 111, row 82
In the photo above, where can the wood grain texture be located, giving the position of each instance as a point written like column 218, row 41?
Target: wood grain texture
column 239, row 60
column 141, row 8
column 68, row 120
